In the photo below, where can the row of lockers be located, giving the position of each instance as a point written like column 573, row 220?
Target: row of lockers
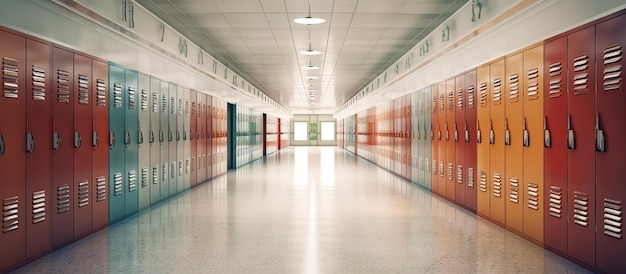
column 531, row 141
column 271, row 131
column 249, row 135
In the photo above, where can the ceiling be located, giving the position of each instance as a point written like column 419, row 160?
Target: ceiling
column 259, row 41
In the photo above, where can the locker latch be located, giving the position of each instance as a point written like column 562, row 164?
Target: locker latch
column 447, row 132
column 479, row 138
column 571, row 142
column 140, row 138
column 197, row 134
column 600, row 145
column 419, row 133
column 467, row 137
column 151, row 137
column 77, row 139
column 456, row 132
column 547, row 139
column 30, row 142
column 161, row 137
column 56, row 141
column 177, row 136
column 170, row 137
column 525, row 136
column 127, row 138
column 492, row 137
column 96, row 139
column 1, row 144
column 184, row 135
column 111, row 138
column 507, row 133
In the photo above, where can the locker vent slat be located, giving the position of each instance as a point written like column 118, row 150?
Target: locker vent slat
column 470, row 177
column 117, row 95
column 193, row 108
column 117, row 184
column 193, row 164
column 514, row 88
column 555, row 82
column 39, row 83
column 451, row 172
column 173, row 170
column 63, row 86
column 581, row 208
column 187, row 108
column 426, row 163
column 132, row 180
column 144, row 177
column 101, row 189
column 613, row 54
column 497, row 185
column 533, row 83
column 581, row 79
column 451, row 101
column 172, row 105
column 132, row 97
column 163, row 103
column 83, row 193
column 442, row 166
column 613, row 218
column 581, row 63
column 101, row 99
column 10, row 71
column 442, row 103
column 556, row 200
column 39, row 206
column 483, row 181
column 612, row 72
column 155, row 102
column 459, row 102
column 434, row 167
column 187, row 166
column 155, row 174
column 164, row 169
column 83, row 89
column 470, row 96
column 533, row 196
column 10, row 214
column 144, row 100
column 482, row 89
column 497, row 91
column 180, row 107
column 514, row 191
column 63, row 199
column 459, row 174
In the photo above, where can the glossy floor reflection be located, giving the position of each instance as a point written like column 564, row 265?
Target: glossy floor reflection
column 304, row 210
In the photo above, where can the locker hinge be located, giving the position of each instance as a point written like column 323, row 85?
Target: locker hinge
column 30, row 142
column 600, row 140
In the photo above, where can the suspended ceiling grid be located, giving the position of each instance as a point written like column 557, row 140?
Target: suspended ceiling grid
column 259, row 41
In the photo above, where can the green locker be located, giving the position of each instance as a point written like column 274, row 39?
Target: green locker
column 117, row 154
column 143, row 140
column 164, row 122
column 153, row 139
column 131, row 142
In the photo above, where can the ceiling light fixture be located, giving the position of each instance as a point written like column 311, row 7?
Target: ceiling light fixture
column 311, row 77
column 310, row 52
column 309, row 20
column 310, row 67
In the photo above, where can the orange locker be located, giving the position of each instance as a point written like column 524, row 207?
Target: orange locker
column 532, row 142
column 482, row 141
column 450, row 164
column 434, row 137
column 441, row 138
column 514, row 161
column 497, row 140
column 459, row 136
column 470, row 140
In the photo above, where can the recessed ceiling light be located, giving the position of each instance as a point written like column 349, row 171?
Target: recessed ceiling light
column 309, row 20
column 310, row 52
column 311, row 77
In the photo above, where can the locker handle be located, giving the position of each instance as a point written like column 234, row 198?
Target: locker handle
column 492, row 137
column 96, row 139
column 56, row 141
column 525, row 135
column 190, row 135
column 1, row 144
column 547, row 139
column 140, row 138
column 600, row 140
column 161, row 137
column 127, row 138
column 507, row 133
column 184, row 135
column 479, row 138
column 571, row 138
column 77, row 139
column 30, row 142
column 170, row 137
column 456, row 132
column 197, row 134
column 447, row 133
column 467, row 137
column 177, row 136
column 111, row 138
column 151, row 137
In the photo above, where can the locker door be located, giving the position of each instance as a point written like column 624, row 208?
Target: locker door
column 415, row 138
column 164, row 122
column 201, row 143
column 442, row 133
column 62, row 147
column 427, row 136
column 180, row 141
column 187, row 138
column 193, row 140
column 100, row 149
column 172, row 139
column 470, row 140
column 224, row 137
column 154, row 139
column 131, row 141
column 497, row 165
column 610, row 189
column 555, row 144
column 450, row 162
column 12, row 155
column 407, row 137
column 532, row 129
column 38, row 141
column 143, row 140
column 81, row 142
column 208, row 138
column 581, row 145
column 515, row 195
column 483, row 148
column 117, row 154
column 458, row 136
column 434, row 137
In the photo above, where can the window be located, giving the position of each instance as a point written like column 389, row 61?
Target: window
column 328, row 131
column 300, row 131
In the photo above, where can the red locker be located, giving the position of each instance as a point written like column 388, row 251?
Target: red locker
column 224, row 135
column 442, row 133
column 62, row 147
column 460, row 135
column 12, row 153
column 434, row 137
column 407, row 136
column 610, row 145
column 469, row 136
column 214, row 137
column 207, row 138
column 450, row 168
column 555, row 145
column 193, row 129
column 82, row 140
column 100, row 150
column 38, row 149
column 581, row 145
column 496, row 139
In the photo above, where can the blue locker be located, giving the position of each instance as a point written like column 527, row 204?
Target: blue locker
column 164, row 129
column 153, row 139
column 172, row 138
column 131, row 142
column 144, row 176
column 117, row 154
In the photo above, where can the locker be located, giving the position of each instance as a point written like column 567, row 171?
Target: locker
column 555, row 145
column 100, row 150
column 483, row 148
column 154, row 140
column 223, row 135
column 164, row 127
column 415, row 138
column 193, row 140
column 117, row 154
column 38, row 141
column 450, row 163
column 497, row 156
column 610, row 145
column 459, row 137
column 187, row 138
column 62, row 147
column 442, row 137
column 407, row 137
column 201, row 141
column 434, row 137
column 172, row 139
column 581, row 145
column 180, row 142
column 81, row 141
column 143, row 139
column 131, row 142
column 12, row 153
column 427, row 136
column 470, row 140
column 207, row 135
column 532, row 130
column 515, row 194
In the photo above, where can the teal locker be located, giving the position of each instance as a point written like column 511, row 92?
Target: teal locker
column 164, row 166
column 144, row 175
column 153, row 139
column 131, row 143
column 172, row 139
column 117, row 153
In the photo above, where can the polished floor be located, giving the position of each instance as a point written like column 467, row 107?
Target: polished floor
column 304, row 210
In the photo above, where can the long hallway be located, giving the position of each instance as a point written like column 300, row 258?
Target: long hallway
column 304, row 210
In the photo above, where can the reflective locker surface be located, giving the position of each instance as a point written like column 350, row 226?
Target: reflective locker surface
column 329, row 212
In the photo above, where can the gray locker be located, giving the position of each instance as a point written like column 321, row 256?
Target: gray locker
column 171, row 138
column 153, row 139
column 187, row 139
column 180, row 151
column 144, row 144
